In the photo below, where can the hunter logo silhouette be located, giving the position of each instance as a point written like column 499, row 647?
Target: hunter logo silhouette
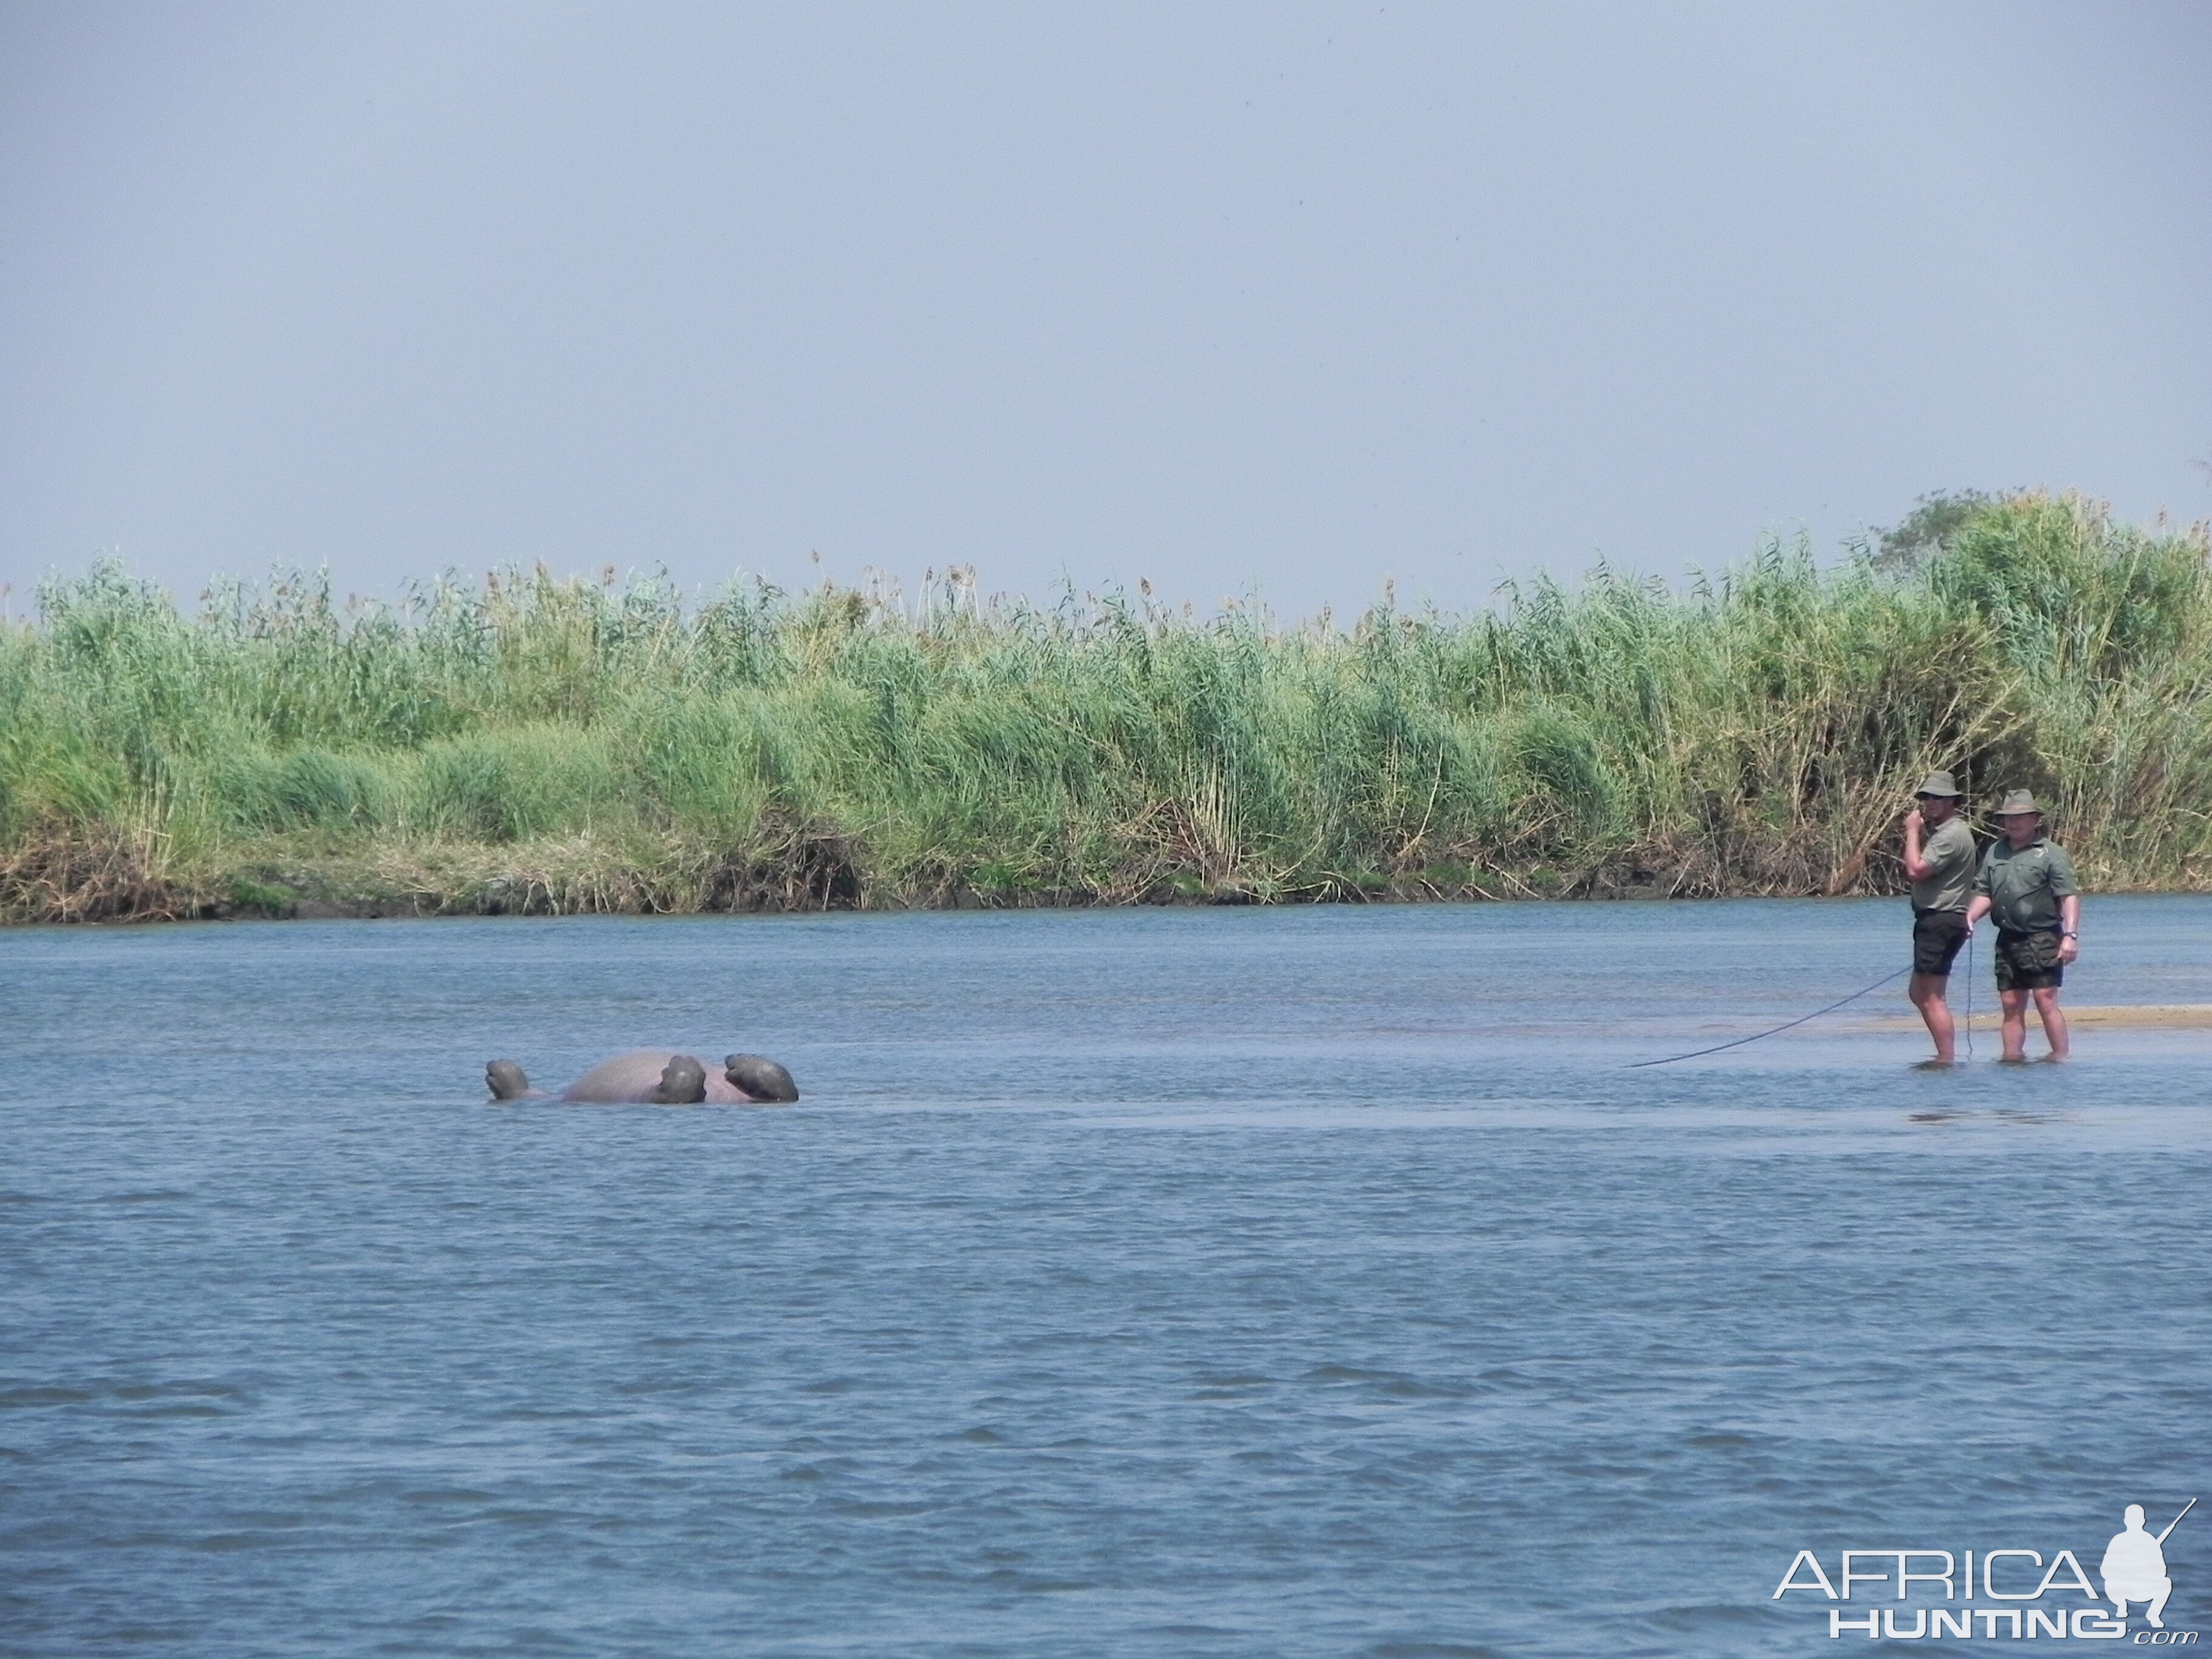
column 2134, row 1567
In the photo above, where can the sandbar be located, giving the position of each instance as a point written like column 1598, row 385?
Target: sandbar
column 2147, row 1016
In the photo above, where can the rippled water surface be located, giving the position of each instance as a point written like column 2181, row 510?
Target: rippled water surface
column 1266, row 1283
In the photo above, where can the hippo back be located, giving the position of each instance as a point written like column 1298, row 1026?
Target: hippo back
column 631, row 1080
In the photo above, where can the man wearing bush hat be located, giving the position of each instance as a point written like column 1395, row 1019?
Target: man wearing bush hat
column 1942, row 871
column 2028, row 885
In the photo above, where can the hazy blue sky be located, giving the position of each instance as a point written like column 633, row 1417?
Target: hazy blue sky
column 1308, row 297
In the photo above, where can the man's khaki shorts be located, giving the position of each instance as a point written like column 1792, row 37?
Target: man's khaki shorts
column 2029, row 962
column 1937, row 938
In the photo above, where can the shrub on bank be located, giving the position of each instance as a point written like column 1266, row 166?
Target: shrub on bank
column 554, row 744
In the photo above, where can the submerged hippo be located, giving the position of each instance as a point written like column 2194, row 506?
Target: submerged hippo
column 655, row 1077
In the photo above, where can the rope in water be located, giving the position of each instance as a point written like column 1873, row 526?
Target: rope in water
column 1970, row 996
column 1785, row 1025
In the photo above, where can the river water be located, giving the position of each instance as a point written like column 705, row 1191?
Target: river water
column 1179, row 1283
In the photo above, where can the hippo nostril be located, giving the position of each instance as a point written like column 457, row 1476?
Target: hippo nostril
column 506, row 1080
column 760, row 1079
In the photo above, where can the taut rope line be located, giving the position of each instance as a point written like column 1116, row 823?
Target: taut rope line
column 1785, row 1025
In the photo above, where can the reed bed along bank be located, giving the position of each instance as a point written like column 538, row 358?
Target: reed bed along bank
column 541, row 745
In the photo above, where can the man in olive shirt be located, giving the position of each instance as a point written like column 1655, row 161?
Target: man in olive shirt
column 1941, row 870
column 2028, row 885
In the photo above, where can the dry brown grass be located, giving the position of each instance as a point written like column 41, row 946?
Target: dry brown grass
column 68, row 873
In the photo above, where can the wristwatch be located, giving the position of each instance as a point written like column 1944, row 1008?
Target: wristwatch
column 2068, row 933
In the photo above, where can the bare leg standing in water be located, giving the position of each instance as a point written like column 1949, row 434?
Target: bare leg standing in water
column 2014, row 1023
column 1927, row 992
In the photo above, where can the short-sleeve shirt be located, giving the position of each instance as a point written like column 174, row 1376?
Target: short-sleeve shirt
column 2024, row 887
column 1950, row 849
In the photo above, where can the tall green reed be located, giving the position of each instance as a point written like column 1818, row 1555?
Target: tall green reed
column 603, row 742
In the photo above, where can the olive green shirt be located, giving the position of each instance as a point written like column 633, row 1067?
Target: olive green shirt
column 2024, row 888
column 1949, row 848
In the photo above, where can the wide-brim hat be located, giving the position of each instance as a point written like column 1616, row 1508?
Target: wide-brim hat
column 1939, row 783
column 2017, row 802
